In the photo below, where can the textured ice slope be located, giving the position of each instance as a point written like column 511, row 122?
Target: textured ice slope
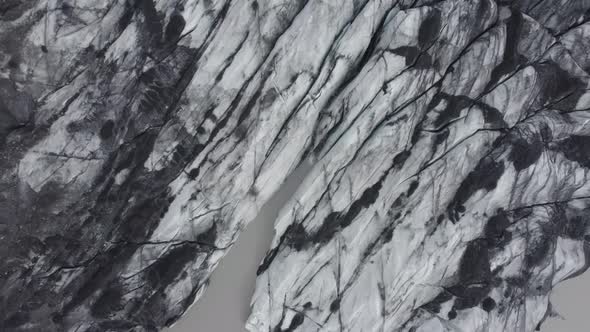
column 137, row 138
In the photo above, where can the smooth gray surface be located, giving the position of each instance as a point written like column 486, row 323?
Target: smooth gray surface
column 225, row 305
column 569, row 300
